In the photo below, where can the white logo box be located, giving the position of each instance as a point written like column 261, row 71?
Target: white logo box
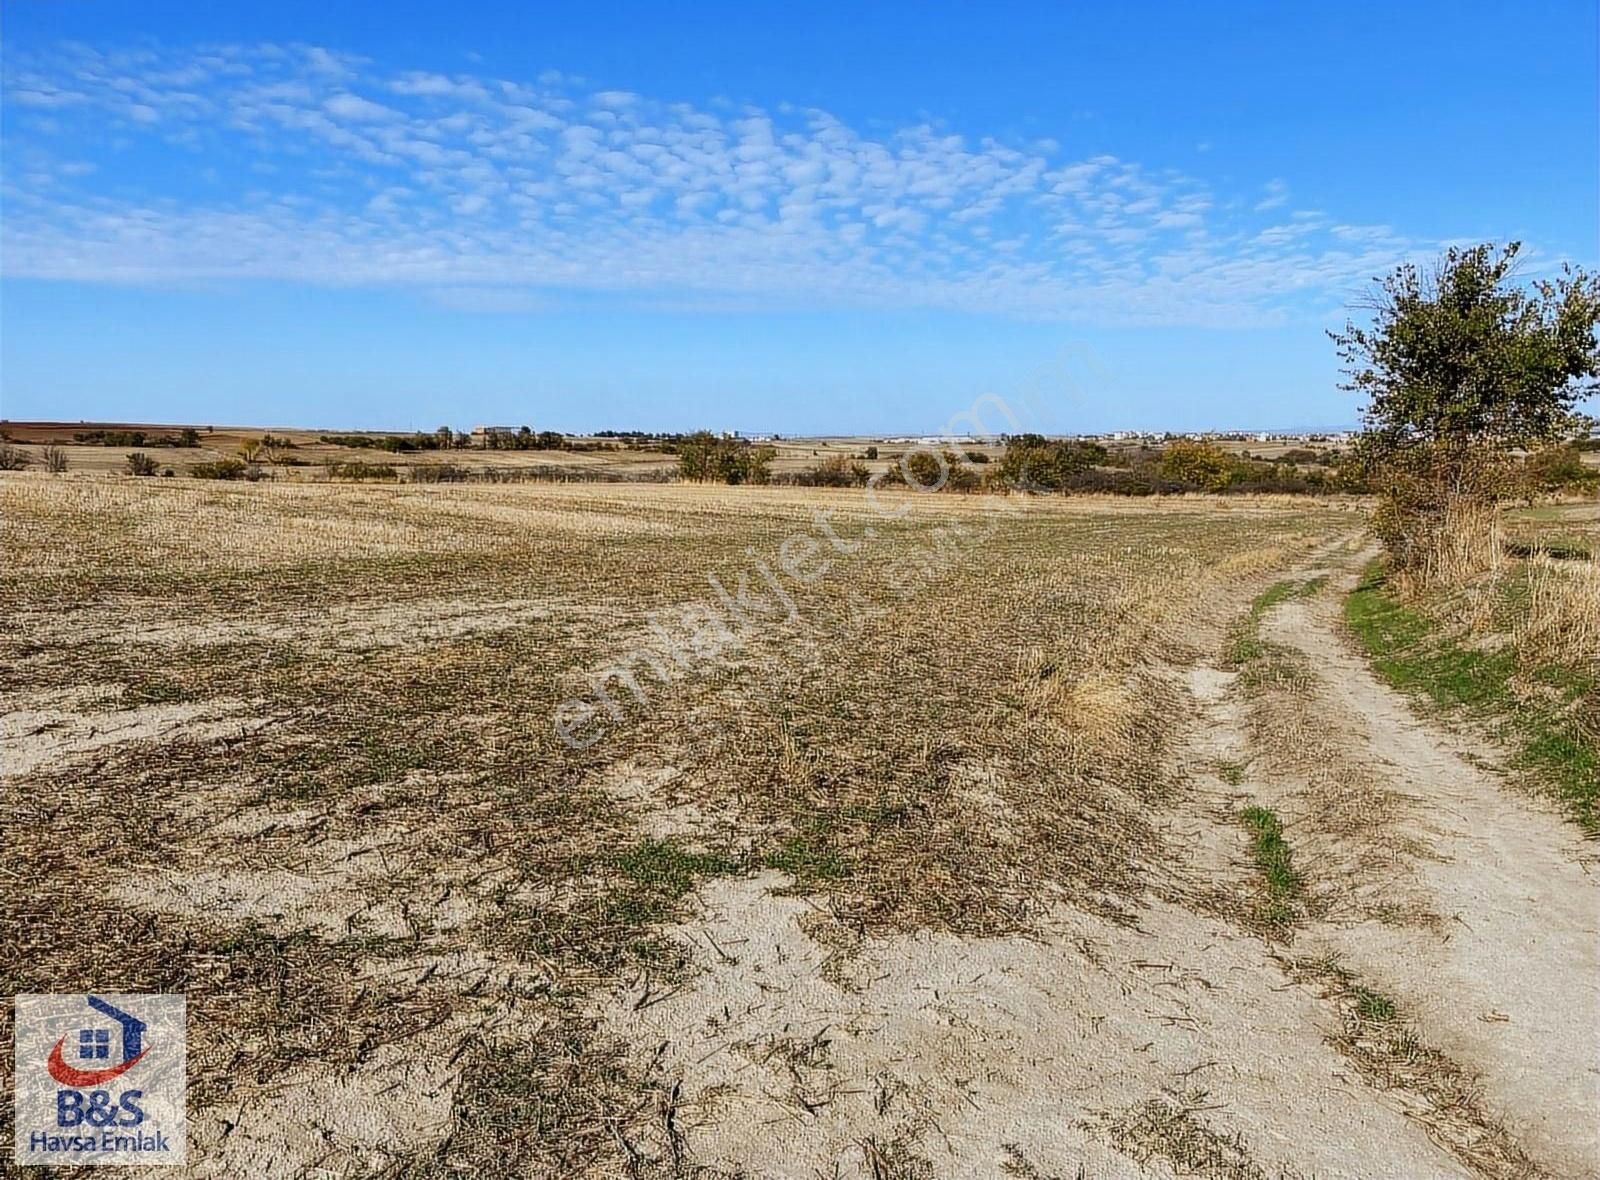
column 100, row 1079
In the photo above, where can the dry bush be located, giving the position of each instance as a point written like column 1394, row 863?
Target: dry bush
column 1454, row 563
column 139, row 463
column 359, row 469
column 1437, row 514
column 436, row 473
column 840, row 471
column 227, row 468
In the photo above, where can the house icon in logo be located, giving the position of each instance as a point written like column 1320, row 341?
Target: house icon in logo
column 94, row 1048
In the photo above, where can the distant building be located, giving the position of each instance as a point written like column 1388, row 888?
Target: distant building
column 482, row 434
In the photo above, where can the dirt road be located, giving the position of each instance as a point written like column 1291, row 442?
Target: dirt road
column 1495, row 949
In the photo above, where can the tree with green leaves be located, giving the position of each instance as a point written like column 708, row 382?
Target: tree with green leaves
column 1461, row 366
column 1460, row 356
column 1199, row 464
column 703, row 456
column 1036, row 463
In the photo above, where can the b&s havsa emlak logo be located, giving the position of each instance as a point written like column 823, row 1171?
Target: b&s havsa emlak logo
column 99, row 1079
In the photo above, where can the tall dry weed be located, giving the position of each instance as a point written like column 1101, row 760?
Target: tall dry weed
column 1458, row 549
column 1562, row 621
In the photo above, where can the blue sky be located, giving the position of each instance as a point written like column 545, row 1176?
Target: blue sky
column 818, row 218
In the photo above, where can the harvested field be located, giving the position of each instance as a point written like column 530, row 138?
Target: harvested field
column 661, row 831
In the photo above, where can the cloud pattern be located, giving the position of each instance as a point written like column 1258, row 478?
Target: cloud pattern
column 300, row 164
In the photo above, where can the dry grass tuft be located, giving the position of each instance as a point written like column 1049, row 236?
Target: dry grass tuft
column 1384, row 1046
column 1464, row 545
column 1172, row 1128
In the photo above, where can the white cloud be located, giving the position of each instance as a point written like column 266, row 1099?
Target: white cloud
column 1277, row 195
column 461, row 185
column 44, row 95
column 322, row 61
column 353, row 106
column 419, row 83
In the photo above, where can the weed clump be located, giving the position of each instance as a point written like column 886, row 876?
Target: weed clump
column 1383, row 1043
column 1273, row 857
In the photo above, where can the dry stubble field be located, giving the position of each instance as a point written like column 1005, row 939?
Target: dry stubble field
column 930, row 864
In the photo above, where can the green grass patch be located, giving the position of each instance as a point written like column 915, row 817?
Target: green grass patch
column 1374, row 1006
column 1559, row 548
column 618, row 927
column 1570, row 682
column 658, row 875
column 666, row 867
column 1231, row 773
column 807, row 858
column 1544, row 513
column 1411, row 652
column 1276, row 862
column 1246, row 645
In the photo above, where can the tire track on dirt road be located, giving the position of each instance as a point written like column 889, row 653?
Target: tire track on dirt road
column 1429, row 879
